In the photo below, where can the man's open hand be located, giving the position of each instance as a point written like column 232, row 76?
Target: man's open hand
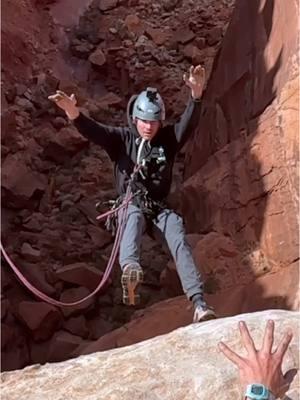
column 66, row 103
column 195, row 80
column 260, row 366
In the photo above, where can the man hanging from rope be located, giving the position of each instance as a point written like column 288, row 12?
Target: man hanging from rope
column 151, row 145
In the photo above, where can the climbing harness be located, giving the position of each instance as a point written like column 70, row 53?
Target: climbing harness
column 148, row 105
column 123, row 208
column 120, row 210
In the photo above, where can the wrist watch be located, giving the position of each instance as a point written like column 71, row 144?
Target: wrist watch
column 257, row 391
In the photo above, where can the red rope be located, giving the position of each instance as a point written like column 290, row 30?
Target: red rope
column 119, row 234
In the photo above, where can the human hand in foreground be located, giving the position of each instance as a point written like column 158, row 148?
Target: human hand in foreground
column 195, row 80
column 260, row 366
column 66, row 103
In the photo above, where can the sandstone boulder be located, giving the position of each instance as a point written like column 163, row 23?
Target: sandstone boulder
column 193, row 54
column 275, row 291
column 77, row 326
column 36, row 276
column 41, row 318
column 134, row 24
column 61, row 345
column 185, row 364
column 97, row 57
column 29, row 253
column 184, row 35
column 73, row 295
column 106, row 5
column 80, row 274
column 159, row 36
column 67, row 142
column 20, row 184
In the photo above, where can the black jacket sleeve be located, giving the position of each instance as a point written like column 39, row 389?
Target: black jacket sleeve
column 186, row 124
column 110, row 138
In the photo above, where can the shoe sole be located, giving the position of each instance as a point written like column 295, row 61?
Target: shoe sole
column 130, row 281
column 208, row 316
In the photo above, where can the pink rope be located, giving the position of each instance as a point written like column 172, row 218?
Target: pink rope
column 107, row 213
column 119, row 234
column 111, row 261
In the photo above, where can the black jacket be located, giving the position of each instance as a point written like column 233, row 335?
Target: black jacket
column 122, row 143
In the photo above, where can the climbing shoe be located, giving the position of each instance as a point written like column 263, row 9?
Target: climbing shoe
column 202, row 314
column 202, row 311
column 132, row 276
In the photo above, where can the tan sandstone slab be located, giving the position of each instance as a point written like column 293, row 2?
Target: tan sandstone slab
column 183, row 365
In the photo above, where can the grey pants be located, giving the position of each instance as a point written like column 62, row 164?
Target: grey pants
column 171, row 227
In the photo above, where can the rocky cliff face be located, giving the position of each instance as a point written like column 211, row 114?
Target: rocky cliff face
column 241, row 167
column 239, row 194
column 185, row 364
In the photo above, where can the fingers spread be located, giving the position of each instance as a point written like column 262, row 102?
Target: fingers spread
column 61, row 93
column 283, row 346
column 55, row 97
column 246, row 338
column 231, row 355
column 199, row 70
column 289, row 376
column 268, row 337
column 73, row 98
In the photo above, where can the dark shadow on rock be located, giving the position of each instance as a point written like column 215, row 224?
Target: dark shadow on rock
column 224, row 189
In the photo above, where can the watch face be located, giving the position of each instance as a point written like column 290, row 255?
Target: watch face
column 257, row 389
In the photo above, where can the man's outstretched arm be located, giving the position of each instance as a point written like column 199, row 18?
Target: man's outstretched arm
column 195, row 80
column 108, row 137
